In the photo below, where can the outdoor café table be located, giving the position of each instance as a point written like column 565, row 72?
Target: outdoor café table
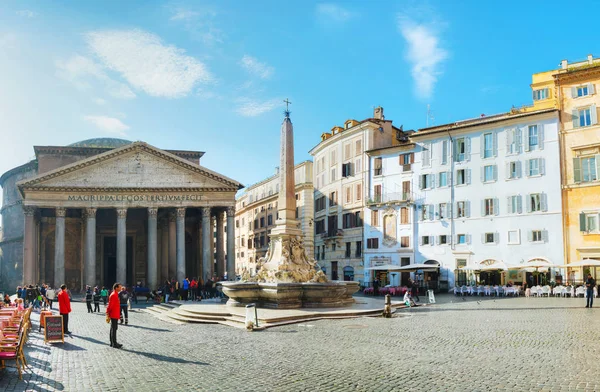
column 580, row 290
column 509, row 290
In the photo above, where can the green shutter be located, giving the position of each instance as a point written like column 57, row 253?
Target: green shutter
column 575, row 115
column 577, row 170
column 582, row 225
column 594, row 114
column 597, row 159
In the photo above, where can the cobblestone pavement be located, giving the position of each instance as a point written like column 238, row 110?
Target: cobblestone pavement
column 522, row 344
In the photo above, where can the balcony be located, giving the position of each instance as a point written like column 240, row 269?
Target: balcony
column 390, row 198
column 332, row 234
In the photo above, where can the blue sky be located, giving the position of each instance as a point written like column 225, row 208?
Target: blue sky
column 212, row 75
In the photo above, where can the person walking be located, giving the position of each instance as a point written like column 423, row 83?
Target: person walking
column 113, row 311
column 193, row 288
column 50, row 296
column 415, row 290
column 185, row 287
column 88, row 299
column 590, row 283
column 104, row 295
column 123, row 298
column 96, row 297
column 168, row 290
column 64, row 308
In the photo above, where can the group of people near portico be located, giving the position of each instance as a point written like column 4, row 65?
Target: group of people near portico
column 191, row 290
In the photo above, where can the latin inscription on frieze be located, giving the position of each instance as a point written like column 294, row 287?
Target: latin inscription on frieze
column 134, row 198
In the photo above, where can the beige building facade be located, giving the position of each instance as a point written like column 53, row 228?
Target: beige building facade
column 256, row 213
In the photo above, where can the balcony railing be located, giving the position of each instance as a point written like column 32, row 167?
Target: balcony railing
column 332, row 233
column 396, row 197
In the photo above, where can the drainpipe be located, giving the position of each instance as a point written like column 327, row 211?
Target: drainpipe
column 451, row 154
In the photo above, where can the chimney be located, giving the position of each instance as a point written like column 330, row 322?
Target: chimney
column 378, row 113
column 563, row 64
column 590, row 59
column 276, row 170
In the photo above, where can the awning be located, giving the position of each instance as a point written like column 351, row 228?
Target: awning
column 582, row 263
column 404, row 268
column 384, row 267
column 497, row 266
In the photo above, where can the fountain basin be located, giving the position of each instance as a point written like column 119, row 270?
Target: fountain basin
column 291, row 295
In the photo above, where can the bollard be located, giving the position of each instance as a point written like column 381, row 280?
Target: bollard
column 251, row 317
column 387, row 309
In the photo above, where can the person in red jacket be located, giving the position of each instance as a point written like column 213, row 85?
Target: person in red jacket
column 64, row 308
column 113, row 311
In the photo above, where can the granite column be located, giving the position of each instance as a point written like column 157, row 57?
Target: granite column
column 122, row 246
column 90, row 246
column 152, row 274
column 59, row 247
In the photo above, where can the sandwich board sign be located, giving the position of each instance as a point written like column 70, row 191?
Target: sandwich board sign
column 53, row 329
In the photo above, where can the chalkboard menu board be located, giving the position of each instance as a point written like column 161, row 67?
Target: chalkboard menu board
column 53, row 330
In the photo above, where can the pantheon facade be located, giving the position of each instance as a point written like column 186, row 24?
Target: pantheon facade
column 109, row 210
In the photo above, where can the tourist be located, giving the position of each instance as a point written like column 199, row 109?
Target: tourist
column 20, row 306
column 7, row 301
column 43, row 297
column 199, row 289
column 589, row 284
column 185, row 287
column 19, row 292
column 193, row 289
column 376, row 286
column 168, row 290
column 415, row 290
column 96, row 298
column 104, row 295
column 64, row 307
column 174, row 289
column 408, row 300
column 113, row 311
column 88, row 299
column 50, row 296
column 30, row 296
column 123, row 299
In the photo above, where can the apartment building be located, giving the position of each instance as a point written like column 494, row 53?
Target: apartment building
column 256, row 213
column 341, row 171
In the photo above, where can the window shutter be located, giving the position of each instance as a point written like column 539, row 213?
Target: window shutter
column 517, row 137
column 495, row 172
column 575, row 115
column 509, row 205
column 495, row 147
column 432, row 176
column 496, row 237
column 573, row 92
column 482, row 173
column 530, row 235
column 468, row 175
column 430, row 210
column 432, row 239
column 455, row 212
column 544, row 202
column 519, row 172
column 591, row 88
column 577, row 169
column 482, row 145
column 509, row 139
column 594, row 114
column 483, row 207
column 542, row 166
column 582, row 222
column 444, row 156
column 467, row 148
column 468, row 238
column 597, row 159
column 545, row 235
column 519, row 204
column 496, row 206
column 526, row 137
column 528, row 202
column 483, row 238
column 412, row 157
column 540, row 128
column 528, row 169
column 467, row 209
column 421, row 181
column 507, row 170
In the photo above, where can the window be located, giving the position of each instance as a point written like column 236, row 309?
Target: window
column 582, row 91
column 514, row 204
column 320, row 204
column 514, row 237
column 541, row 94
column 346, row 170
column 375, row 218
column 348, row 192
column 406, row 159
column 333, row 170
column 426, row 181
column 426, row 155
column 334, row 270
column 461, row 177
column 585, row 117
column 358, row 192
column 255, row 224
column 586, row 169
column 243, row 241
column 444, row 155
column 320, row 226
column 535, row 202
column 347, row 151
column 461, row 209
column 297, row 212
column 588, row 223
column 348, row 249
column 460, row 149
column 262, row 240
column 443, row 239
column 358, row 249
column 536, row 236
column 333, row 199
column 270, row 219
column 461, row 275
column 333, row 158
column 489, row 207
column 377, row 193
column 262, row 222
column 358, row 147
column 425, row 240
column 443, row 180
column 358, row 166
column 532, row 134
column 513, row 170
column 377, row 166
column 404, row 242
column 250, row 242
column 461, row 239
column 404, row 216
column 489, row 238
column 442, row 210
column 322, row 252
column 372, row 243
column 349, row 220
column 427, row 212
column 489, row 173
column 358, row 219
column 488, row 145
column 534, row 167
column 513, row 141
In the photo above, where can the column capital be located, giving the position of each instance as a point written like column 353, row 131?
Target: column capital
column 152, row 212
column 230, row 211
column 61, row 212
column 90, row 212
column 205, row 212
column 29, row 211
column 122, row 213
column 172, row 216
column 181, row 212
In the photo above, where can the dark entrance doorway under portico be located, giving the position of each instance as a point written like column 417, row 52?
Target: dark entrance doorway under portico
column 110, row 260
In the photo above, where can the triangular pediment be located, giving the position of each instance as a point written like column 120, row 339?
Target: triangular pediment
column 135, row 166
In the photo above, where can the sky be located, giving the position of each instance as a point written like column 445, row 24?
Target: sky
column 212, row 75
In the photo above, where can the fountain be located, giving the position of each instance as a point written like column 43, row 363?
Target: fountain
column 287, row 277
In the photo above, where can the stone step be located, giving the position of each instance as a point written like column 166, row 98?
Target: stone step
column 185, row 319
column 199, row 316
column 153, row 310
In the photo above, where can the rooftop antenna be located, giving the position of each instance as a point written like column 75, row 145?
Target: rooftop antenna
column 430, row 119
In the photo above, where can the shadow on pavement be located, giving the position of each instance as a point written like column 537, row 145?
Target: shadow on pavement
column 92, row 340
column 164, row 358
column 147, row 328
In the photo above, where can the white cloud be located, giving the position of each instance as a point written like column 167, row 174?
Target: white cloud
column 99, row 101
column 183, row 14
column 108, row 124
column 199, row 24
column 424, row 53
column 27, row 13
column 251, row 107
column 255, row 67
column 334, row 12
column 148, row 64
column 82, row 71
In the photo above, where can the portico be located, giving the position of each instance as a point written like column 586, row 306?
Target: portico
column 132, row 214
